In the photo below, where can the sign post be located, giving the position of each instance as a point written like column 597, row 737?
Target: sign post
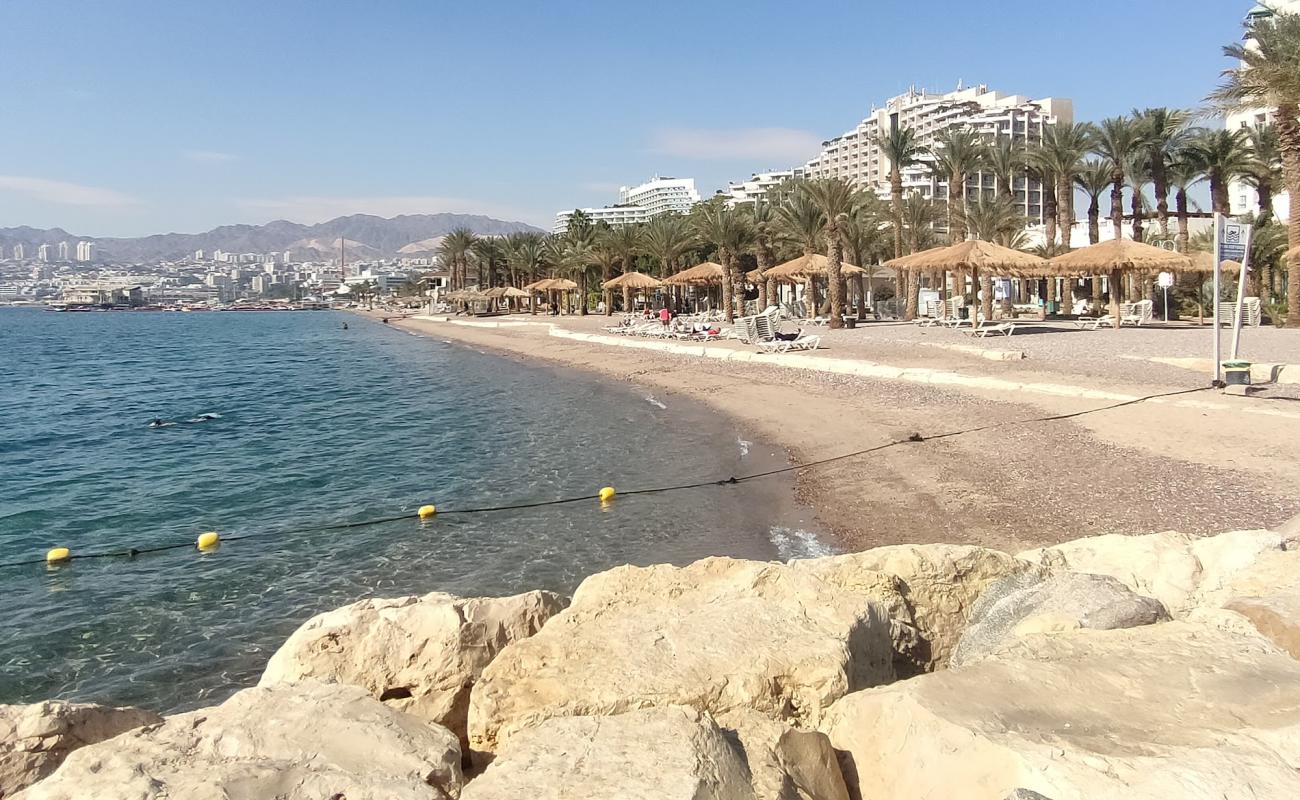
column 1237, row 321
column 1230, row 241
column 1164, row 280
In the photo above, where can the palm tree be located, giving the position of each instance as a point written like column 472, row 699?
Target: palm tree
column 1063, row 148
column 1222, row 156
column 626, row 241
column 726, row 229
column 1007, row 161
column 1269, row 77
column 1116, row 140
column 762, row 217
column 1137, row 181
column 665, row 238
column 489, row 252
column 1183, row 174
column 454, row 252
column 865, row 237
column 957, row 154
column 1265, row 168
column 902, row 149
column 801, row 222
column 995, row 219
column 837, row 200
column 1094, row 178
column 605, row 254
column 917, row 220
column 1165, row 132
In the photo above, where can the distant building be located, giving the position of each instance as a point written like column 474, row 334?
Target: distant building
column 103, row 295
column 854, row 156
column 65, row 251
column 1242, row 197
column 44, row 254
column 42, row 272
column 19, row 252
column 640, row 203
column 198, row 255
column 85, row 252
column 756, row 188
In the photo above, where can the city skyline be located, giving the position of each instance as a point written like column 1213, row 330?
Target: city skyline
column 245, row 114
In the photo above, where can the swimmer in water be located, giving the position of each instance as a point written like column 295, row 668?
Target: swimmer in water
column 205, row 417
column 345, row 326
column 159, row 422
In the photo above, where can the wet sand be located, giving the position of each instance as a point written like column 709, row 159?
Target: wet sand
column 1136, row 469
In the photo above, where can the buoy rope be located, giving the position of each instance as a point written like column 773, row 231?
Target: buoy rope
column 915, row 438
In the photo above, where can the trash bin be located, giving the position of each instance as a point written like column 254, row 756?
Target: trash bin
column 1236, row 373
column 850, row 322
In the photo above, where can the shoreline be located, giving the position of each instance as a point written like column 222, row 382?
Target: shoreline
column 1017, row 488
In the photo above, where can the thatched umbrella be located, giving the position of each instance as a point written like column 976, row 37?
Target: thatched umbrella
column 1203, row 261
column 974, row 255
column 700, row 274
column 1115, row 256
column 808, row 268
column 629, row 281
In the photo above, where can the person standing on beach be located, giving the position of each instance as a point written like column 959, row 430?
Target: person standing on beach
column 664, row 316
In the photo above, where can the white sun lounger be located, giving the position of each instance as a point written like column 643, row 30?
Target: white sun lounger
column 791, row 345
column 1004, row 328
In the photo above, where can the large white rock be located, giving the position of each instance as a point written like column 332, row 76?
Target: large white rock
column 34, row 739
column 785, row 763
column 1267, row 593
column 936, row 586
column 718, row 635
column 671, row 753
column 1177, row 569
column 1172, row 710
column 420, row 655
column 308, row 741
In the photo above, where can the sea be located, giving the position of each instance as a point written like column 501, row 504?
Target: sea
column 282, row 426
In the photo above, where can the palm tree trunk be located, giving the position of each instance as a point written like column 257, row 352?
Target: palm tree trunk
column 986, row 288
column 1094, row 220
column 1065, row 204
column 1184, row 225
column 862, row 294
column 1117, row 206
column 956, row 208
column 1288, row 134
column 1050, row 211
column 913, row 288
column 810, row 296
column 728, row 312
column 766, row 286
column 834, row 280
column 1137, row 213
column 896, row 198
column 1161, row 186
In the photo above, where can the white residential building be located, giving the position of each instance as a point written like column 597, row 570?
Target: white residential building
column 856, row 157
column 756, row 188
column 1242, row 197
column 65, row 251
column 19, row 252
column 44, row 254
column 640, row 203
column 85, row 252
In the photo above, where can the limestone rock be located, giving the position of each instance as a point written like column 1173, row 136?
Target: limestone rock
column 306, row 741
column 1147, row 713
column 34, row 739
column 666, row 753
column 718, row 635
column 420, row 655
column 785, row 763
column 1267, row 593
column 937, row 585
column 1177, row 569
column 1026, row 604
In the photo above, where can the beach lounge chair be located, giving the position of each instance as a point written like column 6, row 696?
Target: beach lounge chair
column 791, row 345
column 990, row 329
column 1136, row 313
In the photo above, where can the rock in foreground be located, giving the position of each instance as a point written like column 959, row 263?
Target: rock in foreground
column 34, row 739
column 935, row 587
column 1172, row 710
column 1030, row 603
column 717, row 635
column 307, row 741
column 420, row 655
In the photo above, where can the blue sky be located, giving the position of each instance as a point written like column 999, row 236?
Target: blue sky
column 133, row 117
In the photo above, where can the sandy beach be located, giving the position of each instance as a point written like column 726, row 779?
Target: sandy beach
column 1200, row 465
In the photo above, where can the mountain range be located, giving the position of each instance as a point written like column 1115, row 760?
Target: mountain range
column 367, row 236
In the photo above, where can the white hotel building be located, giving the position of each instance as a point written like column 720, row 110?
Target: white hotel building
column 756, row 188
column 640, row 203
column 1242, row 196
column 854, row 156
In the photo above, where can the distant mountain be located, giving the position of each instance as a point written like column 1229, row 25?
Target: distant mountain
column 371, row 237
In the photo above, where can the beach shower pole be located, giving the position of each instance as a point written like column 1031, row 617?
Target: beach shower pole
column 1241, row 300
column 1214, row 319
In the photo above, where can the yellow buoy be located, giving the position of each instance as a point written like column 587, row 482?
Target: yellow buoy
column 209, row 540
column 58, row 555
column 607, row 494
column 427, row 511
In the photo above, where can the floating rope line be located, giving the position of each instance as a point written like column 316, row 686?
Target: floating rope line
column 915, row 438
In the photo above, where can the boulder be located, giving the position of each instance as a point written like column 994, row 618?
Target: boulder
column 34, row 739
column 936, row 586
column 717, row 635
column 1175, row 568
column 420, row 655
column 306, row 741
column 1267, row 593
column 1154, row 712
column 1031, row 603
column 670, row 753
column 785, row 763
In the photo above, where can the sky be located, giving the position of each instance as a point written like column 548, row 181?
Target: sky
column 136, row 117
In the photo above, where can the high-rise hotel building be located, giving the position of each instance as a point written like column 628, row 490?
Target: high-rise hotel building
column 856, row 157
column 640, row 203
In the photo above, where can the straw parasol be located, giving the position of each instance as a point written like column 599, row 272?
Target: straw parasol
column 706, row 273
column 1203, row 261
column 1115, row 256
column 632, row 280
column 537, row 286
column 814, row 265
column 973, row 254
column 754, row 276
column 561, row 285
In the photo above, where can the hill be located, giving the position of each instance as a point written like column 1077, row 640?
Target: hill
column 373, row 237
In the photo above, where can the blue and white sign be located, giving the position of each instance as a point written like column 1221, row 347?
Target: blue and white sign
column 1234, row 238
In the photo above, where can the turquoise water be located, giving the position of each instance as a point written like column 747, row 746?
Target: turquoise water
column 317, row 426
